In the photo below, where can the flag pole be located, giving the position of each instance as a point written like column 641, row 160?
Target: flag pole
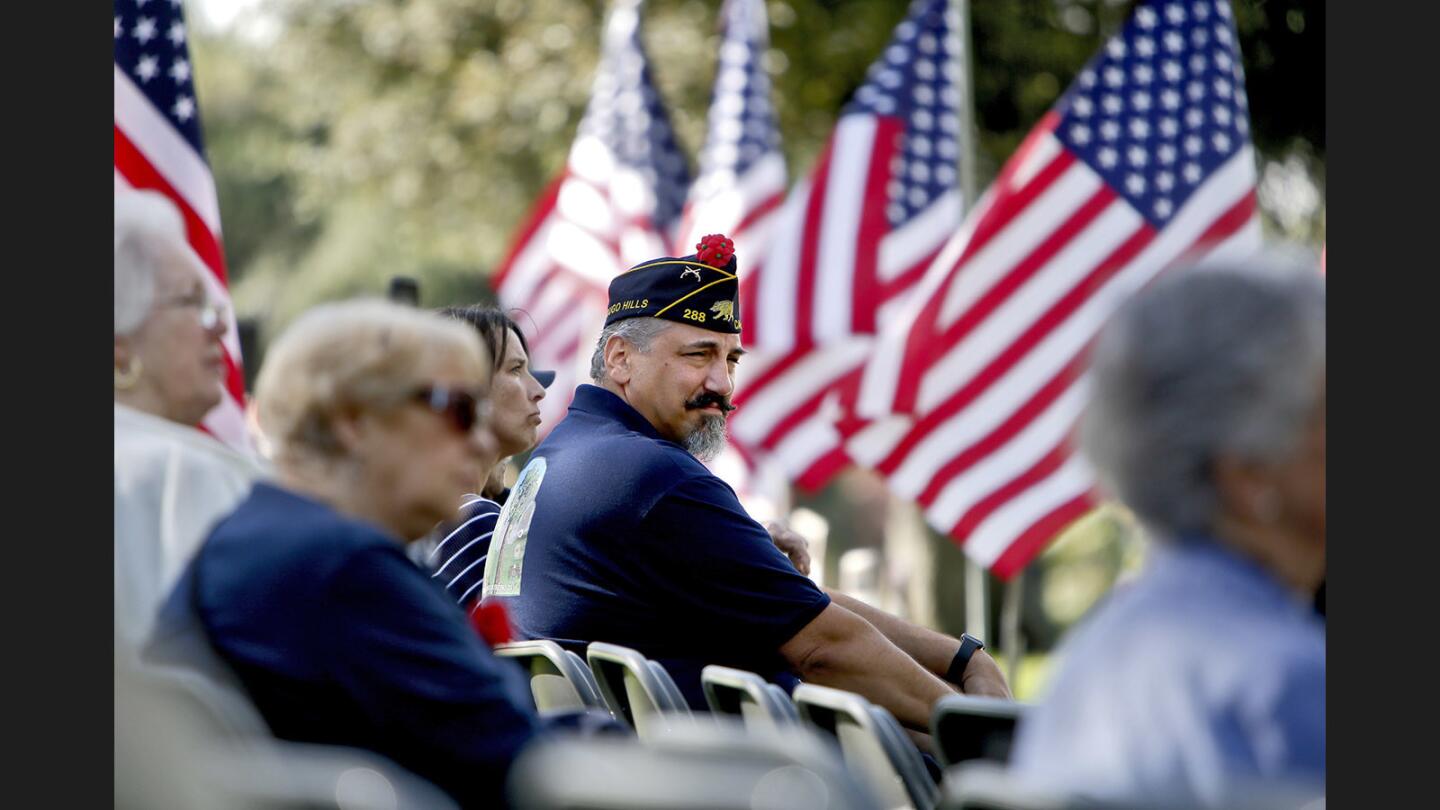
column 976, row 598
column 966, row 88
column 1012, row 641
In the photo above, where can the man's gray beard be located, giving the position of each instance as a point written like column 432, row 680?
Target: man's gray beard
column 706, row 441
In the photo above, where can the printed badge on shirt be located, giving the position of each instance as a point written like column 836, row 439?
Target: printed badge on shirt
column 512, row 530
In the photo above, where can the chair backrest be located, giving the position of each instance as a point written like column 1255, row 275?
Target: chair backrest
column 669, row 692
column 782, row 702
column 873, row 744
column 221, row 708
column 756, row 701
column 967, row 727
column 631, row 687
column 559, row 679
column 716, row 766
column 240, row 765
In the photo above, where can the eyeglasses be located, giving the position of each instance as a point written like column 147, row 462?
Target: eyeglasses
column 211, row 313
column 465, row 410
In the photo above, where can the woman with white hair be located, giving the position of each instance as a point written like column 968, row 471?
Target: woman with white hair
column 172, row 481
column 377, row 417
column 1203, row 680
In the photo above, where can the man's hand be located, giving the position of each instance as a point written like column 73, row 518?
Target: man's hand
column 792, row 544
column 983, row 677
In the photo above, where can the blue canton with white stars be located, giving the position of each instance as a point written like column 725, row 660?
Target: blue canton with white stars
column 628, row 115
column 742, row 120
column 152, row 49
column 915, row 80
column 1161, row 106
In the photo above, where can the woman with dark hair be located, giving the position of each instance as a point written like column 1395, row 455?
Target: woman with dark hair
column 458, row 557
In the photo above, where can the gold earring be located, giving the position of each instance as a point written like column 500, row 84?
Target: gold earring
column 125, row 379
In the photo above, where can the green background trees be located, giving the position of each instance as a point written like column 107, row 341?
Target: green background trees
column 353, row 141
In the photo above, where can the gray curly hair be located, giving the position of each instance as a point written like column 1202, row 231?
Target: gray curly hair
column 1210, row 361
column 639, row 332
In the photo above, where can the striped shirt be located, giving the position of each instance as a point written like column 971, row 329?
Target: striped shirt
column 459, row 559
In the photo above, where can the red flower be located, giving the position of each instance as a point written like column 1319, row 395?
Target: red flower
column 714, row 250
column 492, row 622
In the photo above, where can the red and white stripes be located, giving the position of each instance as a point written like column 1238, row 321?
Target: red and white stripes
column 974, row 420
column 150, row 154
column 833, row 274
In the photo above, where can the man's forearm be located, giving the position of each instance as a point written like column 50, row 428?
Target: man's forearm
column 931, row 649
column 860, row 659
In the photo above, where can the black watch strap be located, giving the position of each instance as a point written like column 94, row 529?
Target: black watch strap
column 968, row 645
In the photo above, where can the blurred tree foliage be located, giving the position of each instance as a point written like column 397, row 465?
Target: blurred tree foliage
column 353, row 141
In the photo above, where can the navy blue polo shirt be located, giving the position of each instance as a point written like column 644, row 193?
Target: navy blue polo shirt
column 615, row 534
column 340, row 639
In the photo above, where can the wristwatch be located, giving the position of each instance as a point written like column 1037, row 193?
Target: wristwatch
column 968, row 645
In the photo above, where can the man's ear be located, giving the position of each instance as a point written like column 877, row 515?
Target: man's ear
column 1246, row 489
column 617, row 360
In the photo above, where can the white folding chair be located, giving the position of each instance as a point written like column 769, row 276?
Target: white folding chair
column 722, row 765
column 967, row 727
column 982, row 784
column 873, row 743
column 559, row 679
column 637, row 693
column 243, row 765
column 737, row 692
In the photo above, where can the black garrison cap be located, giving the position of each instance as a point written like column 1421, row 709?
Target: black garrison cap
column 702, row 289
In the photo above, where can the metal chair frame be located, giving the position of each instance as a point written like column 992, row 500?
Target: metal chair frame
column 625, row 677
column 961, row 725
column 824, row 708
column 729, row 691
column 547, row 660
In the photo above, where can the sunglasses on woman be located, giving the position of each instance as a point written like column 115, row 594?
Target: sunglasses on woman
column 465, row 410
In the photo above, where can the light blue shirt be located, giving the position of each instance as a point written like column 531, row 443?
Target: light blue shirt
column 1202, row 679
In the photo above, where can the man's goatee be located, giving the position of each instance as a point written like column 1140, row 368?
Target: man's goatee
column 706, row 441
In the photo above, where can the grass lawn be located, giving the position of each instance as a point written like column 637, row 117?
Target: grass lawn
column 1030, row 680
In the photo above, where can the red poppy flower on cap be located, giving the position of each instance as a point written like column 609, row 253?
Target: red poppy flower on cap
column 714, row 250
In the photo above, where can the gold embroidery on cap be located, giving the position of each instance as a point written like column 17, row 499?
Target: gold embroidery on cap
column 634, row 303
column 692, row 293
column 700, row 265
column 724, row 310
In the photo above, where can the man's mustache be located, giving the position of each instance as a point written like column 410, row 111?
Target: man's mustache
column 707, row 399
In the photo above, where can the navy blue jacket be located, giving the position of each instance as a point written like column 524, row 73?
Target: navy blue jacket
column 340, row 639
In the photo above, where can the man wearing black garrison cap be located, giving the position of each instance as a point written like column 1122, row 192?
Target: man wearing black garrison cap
column 617, row 532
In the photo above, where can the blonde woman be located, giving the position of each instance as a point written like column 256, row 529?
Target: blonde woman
column 377, row 416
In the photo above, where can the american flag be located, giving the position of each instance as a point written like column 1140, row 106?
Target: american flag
column 158, row 146
column 617, row 203
column 738, row 193
column 969, row 402
column 742, row 170
column 850, row 241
